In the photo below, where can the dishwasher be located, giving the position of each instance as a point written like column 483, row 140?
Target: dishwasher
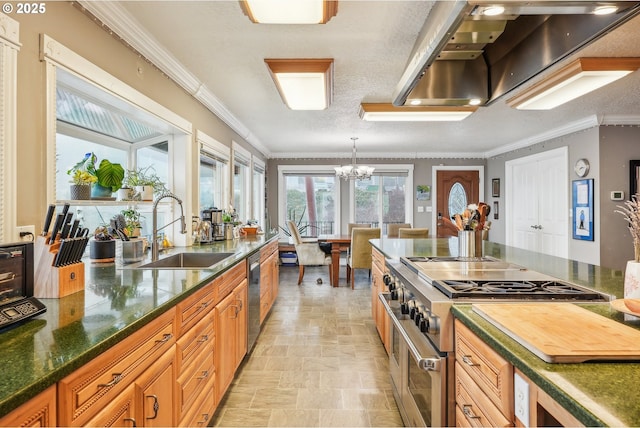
column 253, row 313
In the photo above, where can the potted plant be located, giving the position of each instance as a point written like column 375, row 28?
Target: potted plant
column 132, row 222
column 631, row 213
column 102, row 248
column 108, row 175
column 145, row 181
column 81, row 182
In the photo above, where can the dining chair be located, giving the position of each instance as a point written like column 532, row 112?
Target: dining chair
column 359, row 256
column 392, row 229
column 352, row 225
column 309, row 253
column 417, row 232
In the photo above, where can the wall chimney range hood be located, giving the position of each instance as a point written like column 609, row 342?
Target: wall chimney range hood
column 464, row 53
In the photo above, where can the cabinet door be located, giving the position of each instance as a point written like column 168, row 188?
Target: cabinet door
column 40, row 411
column 226, row 336
column 242, row 321
column 156, row 392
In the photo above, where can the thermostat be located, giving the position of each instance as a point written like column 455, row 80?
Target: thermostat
column 617, row 195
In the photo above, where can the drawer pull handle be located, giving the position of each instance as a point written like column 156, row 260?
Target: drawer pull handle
column 117, row 377
column 205, row 418
column 132, row 420
column 466, row 409
column 203, row 338
column 204, row 305
column 165, row 338
column 205, row 374
column 468, row 361
column 156, row 406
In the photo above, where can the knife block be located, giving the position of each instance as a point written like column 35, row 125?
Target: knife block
column 54, row 282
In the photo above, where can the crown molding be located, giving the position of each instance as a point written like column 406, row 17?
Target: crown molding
column 114, row 16
column 379, row 155
column 612, row 119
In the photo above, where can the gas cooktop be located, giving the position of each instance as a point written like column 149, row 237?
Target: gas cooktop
column 521, row 289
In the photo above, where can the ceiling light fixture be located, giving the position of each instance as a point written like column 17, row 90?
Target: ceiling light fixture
column 572, row 81
column 289, row 11
column 354, row 171
column 605, row 10
column 386, row 112
column 304, row 84
column 493, row 10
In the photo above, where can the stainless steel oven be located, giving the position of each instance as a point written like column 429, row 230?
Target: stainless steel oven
column 418, row 371
column 421, row 293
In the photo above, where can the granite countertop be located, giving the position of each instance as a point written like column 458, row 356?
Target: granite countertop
column 598, row 393
column 117, row 300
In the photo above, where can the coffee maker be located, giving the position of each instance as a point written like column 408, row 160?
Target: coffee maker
column 214, row 217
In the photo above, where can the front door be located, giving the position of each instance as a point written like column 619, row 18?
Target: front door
column 456, row 190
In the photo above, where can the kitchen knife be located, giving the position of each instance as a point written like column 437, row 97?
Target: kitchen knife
column 59, row 256
column 65, row 209
column 47, row 219
column 66, row 228
column 71, row 256
column 74, row 228
column 56, row 227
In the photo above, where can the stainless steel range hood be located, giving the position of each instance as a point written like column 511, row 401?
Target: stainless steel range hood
column 462, row 54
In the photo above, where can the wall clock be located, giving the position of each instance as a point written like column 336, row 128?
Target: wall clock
column 581, row 167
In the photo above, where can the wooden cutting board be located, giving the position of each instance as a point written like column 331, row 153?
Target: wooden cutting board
column 563, row 332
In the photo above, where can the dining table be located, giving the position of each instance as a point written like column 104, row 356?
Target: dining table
column 339, row 243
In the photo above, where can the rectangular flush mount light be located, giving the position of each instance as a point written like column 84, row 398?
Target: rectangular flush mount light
column 385, row 112
column 304, row 84
column 574, row 80
column 289, row 11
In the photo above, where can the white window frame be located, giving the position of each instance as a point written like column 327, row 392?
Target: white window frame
column 409, row 197
column 218, row 150
column 239, row 153
column 258, row 212
column 306, row 169
column 9, row 47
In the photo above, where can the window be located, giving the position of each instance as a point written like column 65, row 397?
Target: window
column 384, row 198
column 258, row 192
column 241, row 182
column 9, row 46
column 309, row 195
column 214, row 172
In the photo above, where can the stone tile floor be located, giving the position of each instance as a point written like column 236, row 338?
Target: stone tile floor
column 318, row 361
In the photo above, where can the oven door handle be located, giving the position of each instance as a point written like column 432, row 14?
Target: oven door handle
column 431, row 364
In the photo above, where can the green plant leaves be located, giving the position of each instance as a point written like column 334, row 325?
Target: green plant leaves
column 110, row 174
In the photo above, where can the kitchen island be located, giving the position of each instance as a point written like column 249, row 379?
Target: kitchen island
column 117, row 302
column 594, row 393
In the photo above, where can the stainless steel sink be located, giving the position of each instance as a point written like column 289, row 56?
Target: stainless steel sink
column 187, row 261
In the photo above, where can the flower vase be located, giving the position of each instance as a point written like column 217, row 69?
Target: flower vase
column 100, row 192
column 632, row 280
column 145, row 192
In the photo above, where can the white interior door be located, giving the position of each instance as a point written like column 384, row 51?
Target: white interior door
column 537, row 204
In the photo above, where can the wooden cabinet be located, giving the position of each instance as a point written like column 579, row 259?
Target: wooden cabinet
column 269, row 278
column 155, row 393
column 378, row 269
column 231, row 336
column 40, row 411
column 544, row 411
column 99, row 384
column 483, row 382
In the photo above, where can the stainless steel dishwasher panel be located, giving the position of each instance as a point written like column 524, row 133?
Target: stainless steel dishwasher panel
column 253, row 315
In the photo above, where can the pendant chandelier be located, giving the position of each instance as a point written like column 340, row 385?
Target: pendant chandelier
column 354, row 171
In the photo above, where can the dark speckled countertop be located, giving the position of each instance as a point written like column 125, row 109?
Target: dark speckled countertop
column 116, row 301
column 597, row 394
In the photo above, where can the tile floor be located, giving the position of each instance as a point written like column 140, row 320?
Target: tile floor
column 317, row 362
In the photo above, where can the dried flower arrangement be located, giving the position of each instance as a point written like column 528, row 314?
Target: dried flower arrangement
column 631, row 213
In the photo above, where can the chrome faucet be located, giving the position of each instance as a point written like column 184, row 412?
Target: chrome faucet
column 183, row 224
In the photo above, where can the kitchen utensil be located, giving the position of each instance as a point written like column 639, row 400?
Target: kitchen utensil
column 56, row 227
column 563, row 332
column 74, row 228
column 47, row 220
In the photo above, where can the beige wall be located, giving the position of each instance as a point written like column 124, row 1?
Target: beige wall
column 71, row 27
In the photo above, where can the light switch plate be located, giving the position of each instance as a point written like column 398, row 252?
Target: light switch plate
column 521, row 399
column 420, row 208
column 617, row 195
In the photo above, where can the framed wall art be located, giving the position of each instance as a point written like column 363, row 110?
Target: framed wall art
column 634, row 177
column 582, row 207
column 423, row 192
column 496, row 209
column 495, row 187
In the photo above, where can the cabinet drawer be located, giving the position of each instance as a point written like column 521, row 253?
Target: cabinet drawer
column 201, row 413
column 119, row 412
column 195, row 341
column 492, row 373
column 378, row 259
column 267, row 250
column 265, row 305
column 195, row 378
column 230, row 279
column 193, row 308
column 475, row 408
column 90, row 388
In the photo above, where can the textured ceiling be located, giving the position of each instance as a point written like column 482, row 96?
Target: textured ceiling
column 370, row 42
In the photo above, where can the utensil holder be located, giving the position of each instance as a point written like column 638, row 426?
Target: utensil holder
column 470, row 243
column 54, row 282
